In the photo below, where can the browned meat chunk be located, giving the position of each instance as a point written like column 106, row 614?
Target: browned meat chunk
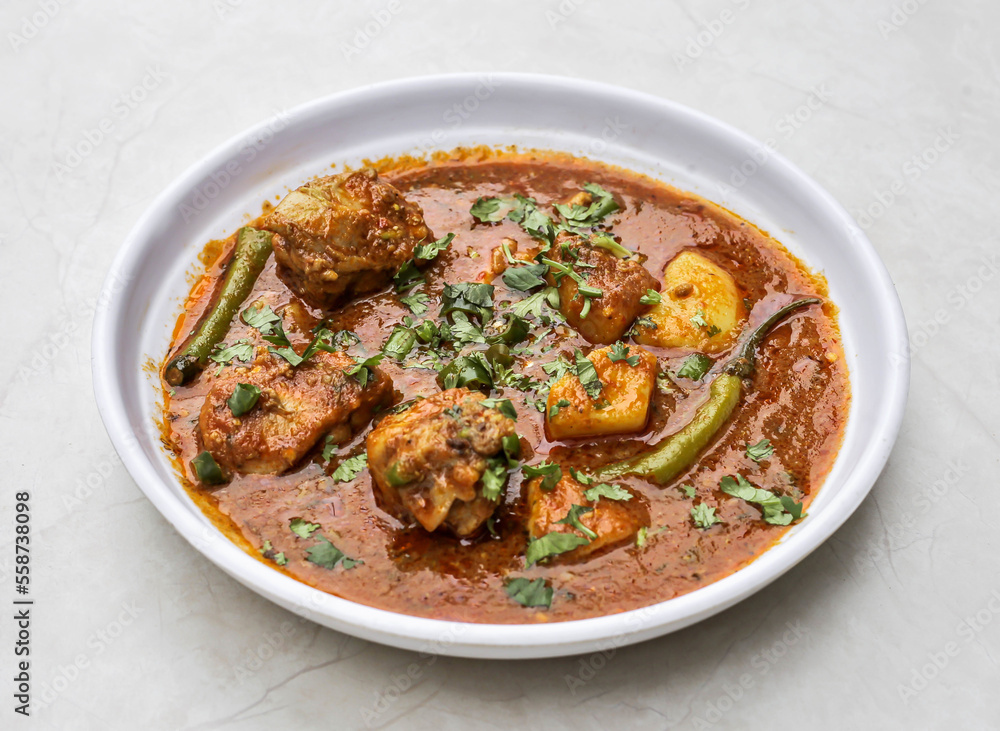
column 343, row 235
column 295, row 408
column 613, row 521
column 428, row 461
column 621, row 283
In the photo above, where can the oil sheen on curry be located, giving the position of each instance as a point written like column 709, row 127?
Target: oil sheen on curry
column 503, row 387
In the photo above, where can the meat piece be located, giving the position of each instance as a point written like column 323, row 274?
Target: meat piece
column 614, row 521
column 296, row 407
column 343, row 235
column 621, row 282
column 428, row 461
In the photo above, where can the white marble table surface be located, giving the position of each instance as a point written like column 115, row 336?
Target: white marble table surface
column 893, row 105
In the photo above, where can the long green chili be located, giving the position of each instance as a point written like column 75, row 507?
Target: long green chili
column 677, row 452
column 252, row 249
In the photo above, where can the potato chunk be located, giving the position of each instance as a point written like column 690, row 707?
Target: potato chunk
column 700, row 309
column 428, row 461
column 614, row 521
column 621, row 282
column 621, row 407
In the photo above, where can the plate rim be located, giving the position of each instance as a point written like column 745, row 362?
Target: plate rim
column 474, row 639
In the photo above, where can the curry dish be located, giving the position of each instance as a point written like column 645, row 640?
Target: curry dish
column 503, row 387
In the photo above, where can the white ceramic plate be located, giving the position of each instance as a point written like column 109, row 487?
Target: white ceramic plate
column 147, row 282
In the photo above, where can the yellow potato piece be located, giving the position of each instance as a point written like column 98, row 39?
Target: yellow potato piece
column 695, row 290
column 621, row 407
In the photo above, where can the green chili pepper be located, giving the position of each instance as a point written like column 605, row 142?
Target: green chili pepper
column 252, row 249
column 677, row 452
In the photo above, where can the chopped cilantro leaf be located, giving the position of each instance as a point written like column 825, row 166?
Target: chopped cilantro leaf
column 466, row 370
column 417, row 303
column 573, row 519
column 641, row 323
column 535, row 223
column 529, row 593
column 503, row 405
column 407, row 277
column 240, row 350
column 688, row 490
column 303, row 528
column 267, row 551
column 554, row 409
column 362, row 370
column 494, row 479
column 550, row 472
column 288, row 354
column 491, row 210
column 652, row 297
column 552, row 544
column 262, row 318
column 607, row 242
column 326, row 555
column 611, row 492
column 244, row 398
column 524, row 278
column 430, row 250
column 350, row 468
column 695, row 366
column 399, row 343
column 776, row 510
column 703, row 516
column 587, row 374
column 511, row 449
column 472, row 298
column 462, row 330
column 602, row 204
column 760, row 451
column 328, row 448
column 640, row 537
column 619, row 351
